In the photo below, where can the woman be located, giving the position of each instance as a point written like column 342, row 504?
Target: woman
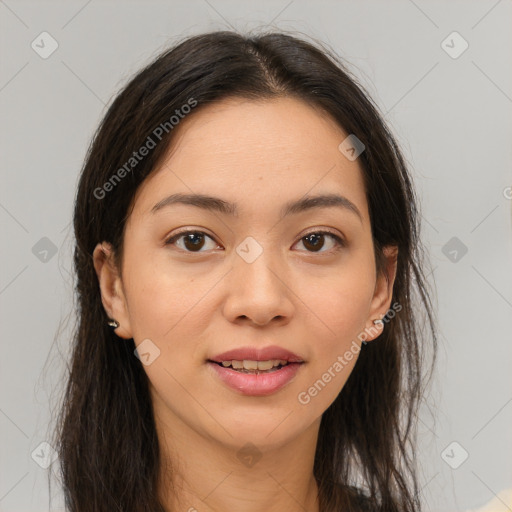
column 247, row 261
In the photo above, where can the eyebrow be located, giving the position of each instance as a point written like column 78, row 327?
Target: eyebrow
column 219, row 205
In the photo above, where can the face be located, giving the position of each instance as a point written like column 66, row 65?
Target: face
column 303, row 280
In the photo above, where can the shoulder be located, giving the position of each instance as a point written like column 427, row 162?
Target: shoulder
column 501, row 499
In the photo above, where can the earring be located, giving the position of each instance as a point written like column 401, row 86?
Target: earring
column 113, row 323
column 378, row 321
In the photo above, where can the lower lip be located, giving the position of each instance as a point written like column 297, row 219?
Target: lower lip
column 257, row 384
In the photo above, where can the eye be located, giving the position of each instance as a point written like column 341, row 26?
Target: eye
column 193, row 241
column 316, row 240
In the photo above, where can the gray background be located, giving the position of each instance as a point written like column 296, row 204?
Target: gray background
column 451, row 115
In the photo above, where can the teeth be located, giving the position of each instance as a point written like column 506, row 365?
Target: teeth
column 247, row 364
column 265, row 365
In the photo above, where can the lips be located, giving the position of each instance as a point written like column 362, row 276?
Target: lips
column 257, row 354
column 255, row 384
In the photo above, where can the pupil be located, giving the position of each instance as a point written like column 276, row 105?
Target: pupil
column 316, row 237
column 195, row 244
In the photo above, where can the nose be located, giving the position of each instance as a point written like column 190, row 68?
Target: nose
column 259, row 292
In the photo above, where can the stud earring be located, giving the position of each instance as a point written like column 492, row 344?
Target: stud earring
column 113, row 323
column 378, row 321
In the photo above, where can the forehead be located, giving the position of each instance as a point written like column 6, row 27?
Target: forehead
column 251, row 151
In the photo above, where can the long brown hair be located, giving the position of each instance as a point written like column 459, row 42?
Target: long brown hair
column 105, row 434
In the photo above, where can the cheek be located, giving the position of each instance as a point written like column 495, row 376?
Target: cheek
column 338, row 302
column 166, row 306
column 161, row 298
column 337, row 308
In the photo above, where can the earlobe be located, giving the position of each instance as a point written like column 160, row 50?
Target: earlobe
column 111, row 289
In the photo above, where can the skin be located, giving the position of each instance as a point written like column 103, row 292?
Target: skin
column 193, row 305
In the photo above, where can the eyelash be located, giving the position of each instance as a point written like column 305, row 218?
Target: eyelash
column 340, row 241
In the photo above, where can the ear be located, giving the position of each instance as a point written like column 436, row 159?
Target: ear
column 383, row 293
column 111, row 287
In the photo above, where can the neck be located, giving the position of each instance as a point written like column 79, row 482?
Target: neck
column 200, row 474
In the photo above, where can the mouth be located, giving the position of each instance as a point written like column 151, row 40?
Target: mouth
column 254, row 367
column 255, row 378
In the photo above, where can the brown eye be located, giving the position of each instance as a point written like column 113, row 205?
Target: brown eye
column 315, row 241
column 193, row 241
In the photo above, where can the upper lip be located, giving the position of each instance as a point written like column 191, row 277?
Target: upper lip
column 257, row 354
